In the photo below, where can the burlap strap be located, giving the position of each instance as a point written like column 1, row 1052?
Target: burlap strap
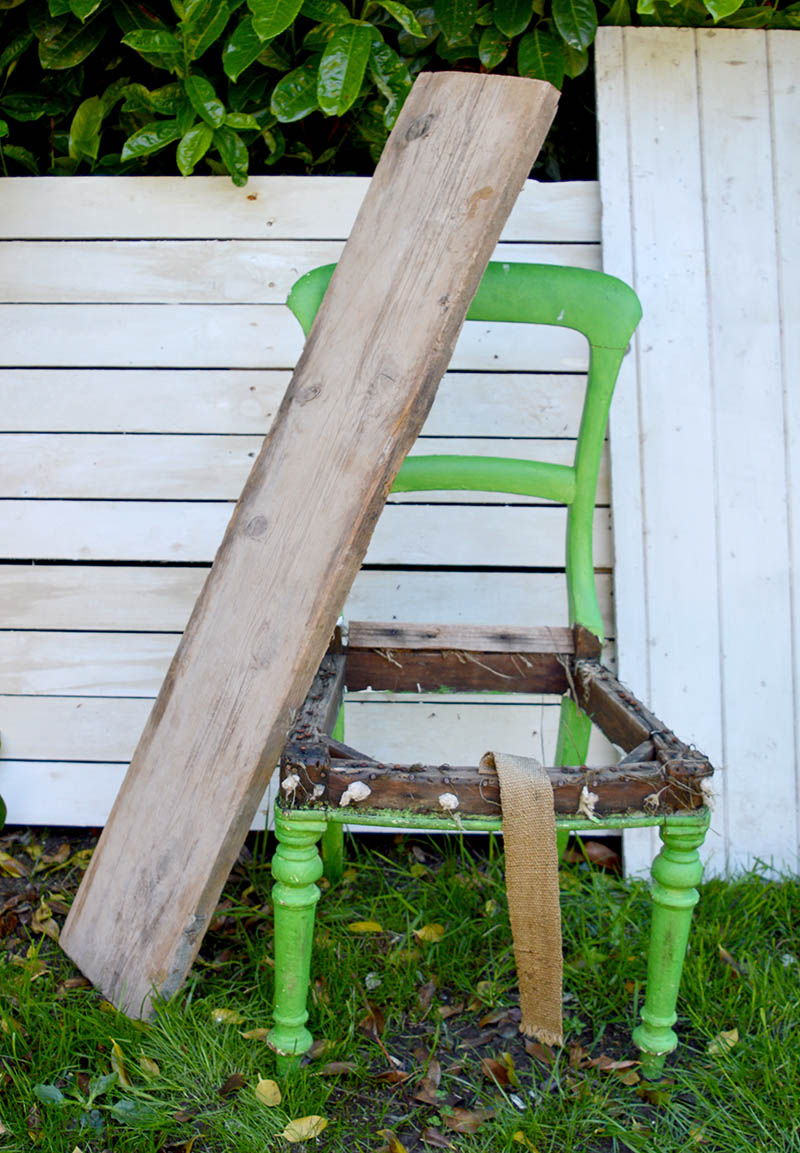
column 529, row 834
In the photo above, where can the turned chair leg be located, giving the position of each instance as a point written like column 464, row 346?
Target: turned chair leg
column 296, row 866
column 676, row 871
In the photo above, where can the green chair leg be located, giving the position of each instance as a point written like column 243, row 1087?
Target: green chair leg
column 572, row 745
column 677, row 870
column 296, row 866
column 333, row 852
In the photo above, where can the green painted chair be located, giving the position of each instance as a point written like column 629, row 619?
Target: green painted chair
column 659, row 782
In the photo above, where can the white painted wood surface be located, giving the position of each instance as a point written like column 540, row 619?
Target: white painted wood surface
column 700, row 179
column 145, row 353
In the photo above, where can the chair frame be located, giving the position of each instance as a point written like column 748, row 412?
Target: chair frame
column 660, row 781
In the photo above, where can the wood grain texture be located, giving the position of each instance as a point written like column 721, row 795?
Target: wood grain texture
column 463, row 146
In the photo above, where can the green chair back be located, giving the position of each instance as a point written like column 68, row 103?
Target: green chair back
column 606, row 311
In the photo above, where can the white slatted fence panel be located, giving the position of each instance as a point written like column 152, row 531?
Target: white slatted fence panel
column 699, row 140
column 146, row 353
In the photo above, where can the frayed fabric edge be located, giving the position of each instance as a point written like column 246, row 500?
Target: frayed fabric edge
column 544, row 1036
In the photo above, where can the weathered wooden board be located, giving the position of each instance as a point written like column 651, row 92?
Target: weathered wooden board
column 406, row 534
column 124, row 598
column 170, row 467
column 698, row 163
column 223, row 402
column 272, row 208
column 384, row 334
column 198, row 271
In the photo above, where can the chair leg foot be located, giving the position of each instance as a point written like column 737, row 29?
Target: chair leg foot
column 677, row 870
column 296, row 867
column 333, row 852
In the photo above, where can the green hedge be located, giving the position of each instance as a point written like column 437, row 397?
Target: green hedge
column 122, row 86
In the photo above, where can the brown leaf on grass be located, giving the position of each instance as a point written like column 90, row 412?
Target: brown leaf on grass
column 332, row 1068
column 723, row 1042
column 728, row 959
column 184, row 1115
column 373, row 1022
column 521, row 1139
column 118, row 1064
column 429, row 933
column 12, row 866
column 495, row 1070
column 466, row 1120
column 627, row 1076
column 579, row 1057
column 149, row 1067
column 393, row 1142
column 655, row 1094
column 8, row 923
column 494, row 1017
column 255, row 1034
column 234, row 1083
column 608, row 1065
column 433, row 1137
column 426, row 1090
column 365, row 927
column 42, row 921
column 446, row 1011
column 59, row 857
column 304, row 1128
column 226, row 1017
column 541, row 1052
column 393, row 1076
column 425, row 994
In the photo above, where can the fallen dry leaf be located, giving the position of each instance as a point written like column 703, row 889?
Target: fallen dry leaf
column 268, row 1092
column 418, row 870
column 723, row 1042
column 12, row 867
column 425, row 994
column 393, row 1142
column 118, row 1064
column 728, row 959
column 466, row 1120
column 541, row 1052
column 149, row 1067
column 608, row 1065
column 433, row 932
column 521, row 1139
column 393, row 1077
column 334, row 1067
column 42, row 921
column 234, row 1083
column 494, row 1017
column 226, row 1017
column 432, row 1136
column 365, row 927
column 255, row 1034
column 304, row 1128
column 494, row 1070
column 373, row 1022
column 426, row 1090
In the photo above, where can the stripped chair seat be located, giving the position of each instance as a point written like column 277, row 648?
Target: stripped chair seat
column 659, row 781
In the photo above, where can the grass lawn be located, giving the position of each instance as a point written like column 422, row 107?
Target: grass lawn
column 416, row 1017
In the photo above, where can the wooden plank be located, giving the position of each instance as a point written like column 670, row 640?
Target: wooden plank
column 365, row 382
column 195, row 271
column 160, row 599
column 274, row 207
column 210, row 467
column 245, row 401
column 782, row 59
column 237, row 336
column 185, row 531
column 750, row 456
column 477, row 638
column 402, row 671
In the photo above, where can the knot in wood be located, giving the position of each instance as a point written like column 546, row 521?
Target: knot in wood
column 420, row 127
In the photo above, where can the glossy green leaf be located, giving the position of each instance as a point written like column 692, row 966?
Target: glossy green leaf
column 3, row 129
column 326, row 11
column 204, row 100
column 404, row 16
column 272, row 57
column 342, row 68
column 295, row 94
column 242, row 49
column 153, row 137
column 204, row 25
column 465, row 49
column 83, row 9
column 15, row 47
column 391, row 75
column 242, row 121
column 130, row 14
column 576, row 60
column 512, row 16
column 192, row 147
column 318, row 38
column 276, row 143
column 153, row 40
column 456, row 18
column 21, row 156
column 167, row 99
column 73, row 44
column 84, row 131
column 113, row 93
column 55, row 7
column 618, row 14
column 539, row 56
column 645, row 7
column 233, row 151
column 719, row 9
column 493, row 48
column 25, row 106
column 270, row 17
column 576, row 21
column 413, row 45
column 753, row 18
column 11, row 3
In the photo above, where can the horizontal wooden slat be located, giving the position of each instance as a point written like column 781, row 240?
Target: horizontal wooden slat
column 430, row 728
column 210, row 207
column 160, row 599
column 199, row 271
column 406, row 534
column 168, row 467
column 476, row 638
column 245, row 401
column 236, row 336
